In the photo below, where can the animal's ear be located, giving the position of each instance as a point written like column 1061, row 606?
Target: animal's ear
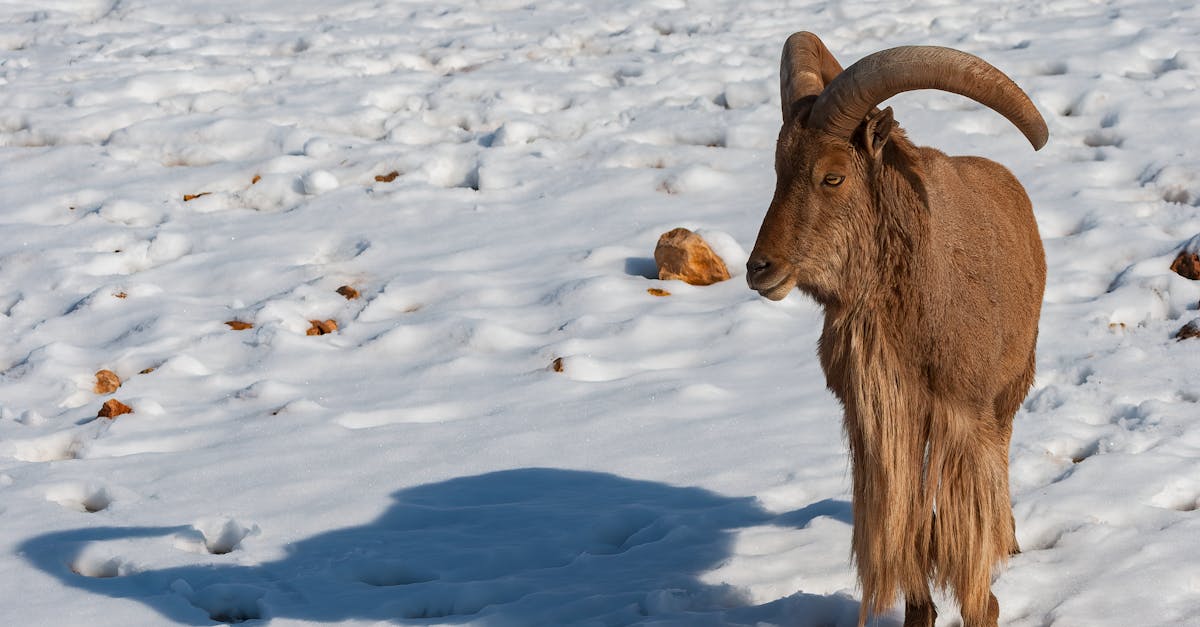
column 876, row 131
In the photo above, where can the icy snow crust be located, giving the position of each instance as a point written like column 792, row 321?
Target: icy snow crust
column 425, row 463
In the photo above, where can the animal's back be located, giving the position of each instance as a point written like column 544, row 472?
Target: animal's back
column 991, row 273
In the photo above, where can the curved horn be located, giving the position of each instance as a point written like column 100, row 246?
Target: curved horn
column 875, row 78
column 806, row 68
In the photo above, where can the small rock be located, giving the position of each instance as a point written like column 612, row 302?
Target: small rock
column 348, row 292
column 238, row 325
column 113, row 408
column 387, row 178
column 557, row 364
column 107, row 382
column 1189, row 330
column 191, row 197
column 321, row 328
column 683, row 255
column 1187, row 265
column 657, row 291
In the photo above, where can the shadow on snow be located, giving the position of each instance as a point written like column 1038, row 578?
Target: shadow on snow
column 520, row 547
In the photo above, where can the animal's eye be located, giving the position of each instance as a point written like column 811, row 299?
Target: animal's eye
column 833, row 180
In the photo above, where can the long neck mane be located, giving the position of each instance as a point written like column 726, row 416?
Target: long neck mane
column 867, row 369
column 873, row 282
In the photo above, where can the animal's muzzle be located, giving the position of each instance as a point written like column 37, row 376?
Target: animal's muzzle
column 758, row 268
column 768, row 277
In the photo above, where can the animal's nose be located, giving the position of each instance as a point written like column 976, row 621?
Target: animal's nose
column 756, row 266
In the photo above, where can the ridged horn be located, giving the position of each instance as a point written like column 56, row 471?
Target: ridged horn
column 806, row 68
column 877, row 77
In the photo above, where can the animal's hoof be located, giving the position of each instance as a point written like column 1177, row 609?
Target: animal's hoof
column 920, row 614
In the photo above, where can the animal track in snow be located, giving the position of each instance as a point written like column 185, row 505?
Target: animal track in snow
column 140, row 255
column 1103, row 137
column 1180, row 495
column 626, row 529
column 218, row 536
column 1176, row 184
column 694, row 179
column 335, row 251
column 1044, row 539
column 1085, row 451
column 129, row 213
column 1177, row 195
column 1154, row 68
column 229, row 603
column 1047, row 398
column 396, row 301
column 80, row 496
column 1074, row 449
column 450, row 171
column 1050, row 68
column 53, row 447
column 100, row 567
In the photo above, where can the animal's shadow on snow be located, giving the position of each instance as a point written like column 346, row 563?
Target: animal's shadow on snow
column 519, row 547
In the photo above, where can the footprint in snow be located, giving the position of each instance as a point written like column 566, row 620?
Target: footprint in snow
column 68, row 444
column 130, row 213
column 1105, row 137
column 339, row 250
column 216, row 536
column 226, row 603
column 1155, row 68
column 1180, row 495
column 100, row 566
column 625, row 529
column 140, row 255
column 1049, row 68
column 81, row 496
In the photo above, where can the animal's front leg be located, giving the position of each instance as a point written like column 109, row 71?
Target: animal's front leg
column 919, row 613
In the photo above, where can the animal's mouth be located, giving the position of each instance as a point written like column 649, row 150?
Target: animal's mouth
column 774, row 287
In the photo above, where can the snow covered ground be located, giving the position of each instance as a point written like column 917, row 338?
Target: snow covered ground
column 425, row 463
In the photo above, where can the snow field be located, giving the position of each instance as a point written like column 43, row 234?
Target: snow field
column 426, row 463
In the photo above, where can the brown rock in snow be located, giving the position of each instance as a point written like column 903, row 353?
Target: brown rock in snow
column 113, row 408
column 107, row 382
column 322, row 327
column 683, row 255
column 1187, row 265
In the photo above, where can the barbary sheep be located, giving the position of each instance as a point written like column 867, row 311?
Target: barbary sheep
column 930, row 271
